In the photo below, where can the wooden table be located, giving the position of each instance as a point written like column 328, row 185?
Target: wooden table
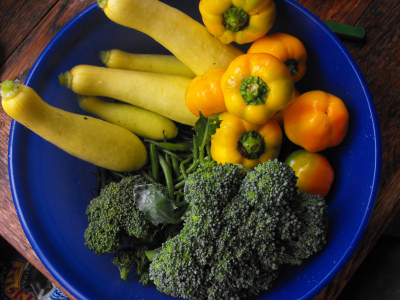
column 26, row 27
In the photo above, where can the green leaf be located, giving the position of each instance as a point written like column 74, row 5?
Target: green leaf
column 157, row 208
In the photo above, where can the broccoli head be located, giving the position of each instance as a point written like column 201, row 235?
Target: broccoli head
column 113, row 217
column 238, row 232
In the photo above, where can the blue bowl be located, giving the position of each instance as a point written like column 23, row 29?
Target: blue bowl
column 51, row 189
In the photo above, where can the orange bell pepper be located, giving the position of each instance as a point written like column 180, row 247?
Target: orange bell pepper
column 239, row 142
column 316, row 120
column 287, row 48
column 204, row 93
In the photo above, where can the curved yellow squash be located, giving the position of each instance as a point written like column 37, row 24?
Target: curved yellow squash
column 93, row 140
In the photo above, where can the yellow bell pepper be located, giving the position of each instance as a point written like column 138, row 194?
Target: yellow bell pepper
column 287, row 48
column 240, row 21
column 256, row 86
column 239, row 142
column 204, row 93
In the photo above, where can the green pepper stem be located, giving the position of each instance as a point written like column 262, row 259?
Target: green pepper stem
column 235, row 19
column 65, row 79
column 254, row 91
column 9, row 89
column 293, row 66
column 251, row 145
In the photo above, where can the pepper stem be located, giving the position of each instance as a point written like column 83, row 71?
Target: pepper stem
column 254, row 91
column 251, row 145
column 235, row 19
column 9, row 89
column 293, row 66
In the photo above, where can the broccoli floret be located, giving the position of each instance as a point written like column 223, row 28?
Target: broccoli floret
column 132, row 257
column 311, row 235
column 113, row 217
column 124, row 260
column 238, row 232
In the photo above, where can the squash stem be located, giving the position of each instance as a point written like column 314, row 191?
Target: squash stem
column 65, row 79
column 104, row 56
column 9, row 89
column 102, row 3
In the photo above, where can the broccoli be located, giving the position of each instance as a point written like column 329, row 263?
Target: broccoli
column 238, row 232
column 114, row 219
column 132, row 257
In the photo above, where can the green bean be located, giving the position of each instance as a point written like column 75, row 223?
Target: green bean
column 98, row 180
column 179, row 185
column 175, row 166
column 168, row 176
column 103, row 177
column 118, row 175
column 171, row 146
column 155, row 166
column 180, row 193
column 191, row 169
column 147, row 176
column 172, row 154
column 182, row 167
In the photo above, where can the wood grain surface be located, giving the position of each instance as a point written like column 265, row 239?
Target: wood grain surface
column 28, row 26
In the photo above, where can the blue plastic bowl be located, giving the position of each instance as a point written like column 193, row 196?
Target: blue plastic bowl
column 51, row 189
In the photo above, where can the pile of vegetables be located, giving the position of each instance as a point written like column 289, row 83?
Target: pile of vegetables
column 201, row 202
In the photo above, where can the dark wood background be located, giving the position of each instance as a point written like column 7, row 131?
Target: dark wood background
column 26, row 27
